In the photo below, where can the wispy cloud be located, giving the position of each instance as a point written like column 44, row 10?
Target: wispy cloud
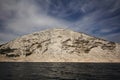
column 28, row 17
column 100, row 18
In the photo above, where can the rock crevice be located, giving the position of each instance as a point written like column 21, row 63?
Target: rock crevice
column 61, row 43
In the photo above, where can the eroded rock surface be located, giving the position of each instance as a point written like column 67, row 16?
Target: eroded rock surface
column 60, row 45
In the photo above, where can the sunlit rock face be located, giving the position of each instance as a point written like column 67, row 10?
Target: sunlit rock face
column 59, row 45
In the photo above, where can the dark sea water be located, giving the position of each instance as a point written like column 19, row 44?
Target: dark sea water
column 59, row 71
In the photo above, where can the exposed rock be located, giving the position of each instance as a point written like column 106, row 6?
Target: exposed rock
column 60, row 45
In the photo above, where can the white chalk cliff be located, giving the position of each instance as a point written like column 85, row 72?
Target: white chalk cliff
column 59, row 45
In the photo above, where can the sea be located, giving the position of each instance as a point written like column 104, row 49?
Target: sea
column 59, row 71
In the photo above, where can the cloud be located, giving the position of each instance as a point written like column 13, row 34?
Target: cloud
column 28, row 17
column 101, row 19
column 98, row 18
column 5, row 37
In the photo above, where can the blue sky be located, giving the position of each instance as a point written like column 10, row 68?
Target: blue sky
column 99, row 18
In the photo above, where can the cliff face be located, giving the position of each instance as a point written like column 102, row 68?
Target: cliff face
column 60, row 45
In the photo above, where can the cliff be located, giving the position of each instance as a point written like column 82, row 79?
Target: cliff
column 59, row 45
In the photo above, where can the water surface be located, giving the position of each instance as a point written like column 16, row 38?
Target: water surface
column 59, row 71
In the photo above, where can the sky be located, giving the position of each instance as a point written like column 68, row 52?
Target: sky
column 99, row 18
